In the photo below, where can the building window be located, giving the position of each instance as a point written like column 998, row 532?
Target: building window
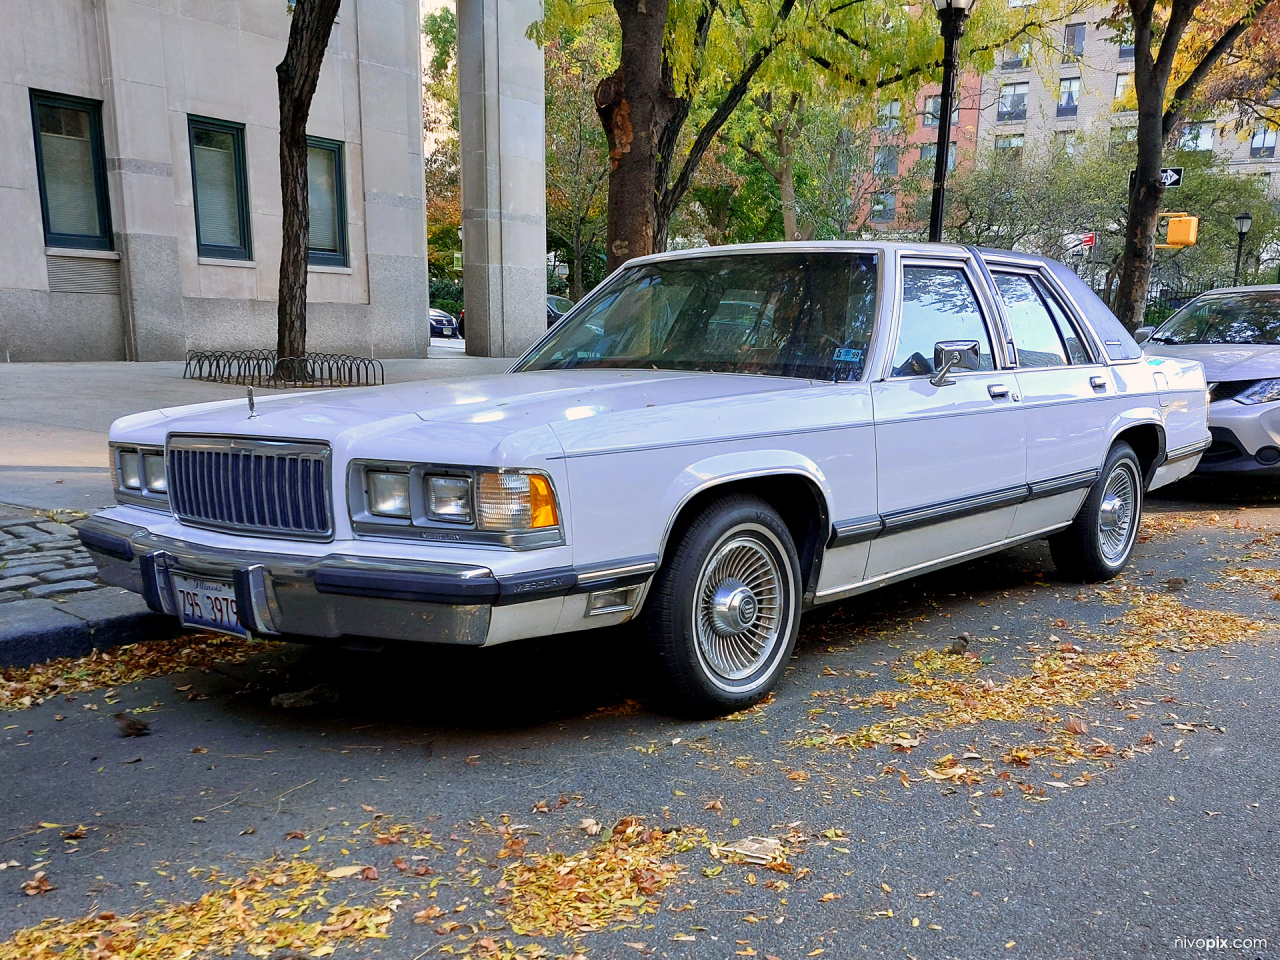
column 886, row 162
column 929, row 152
column 220, row 187
column 1126, row 42
column 326, row 196
column 890, row 116
column 1068, row 96
column 1124, row 81
column 1010, row 147
column 1065, row 143
column 1013, row 102
column 1263, row 142
column 1073, row 43
column 71, row 171
column 1121, row 137
column 933, row 112
column 1016, row 55
column 1196, row 136
column 884, row 207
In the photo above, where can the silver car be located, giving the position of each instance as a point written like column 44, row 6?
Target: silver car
column 1235, row 333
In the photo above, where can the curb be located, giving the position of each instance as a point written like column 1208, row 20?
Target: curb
column 32, row 631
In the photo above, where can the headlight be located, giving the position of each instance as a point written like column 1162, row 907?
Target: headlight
column 515, row 501
column 449, row 499
column 130, row 475
column 388, row 494
column 153, row 473
column 1264, row 391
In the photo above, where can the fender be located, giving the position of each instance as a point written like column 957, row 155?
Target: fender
column 703, row 475
column 1138, row 417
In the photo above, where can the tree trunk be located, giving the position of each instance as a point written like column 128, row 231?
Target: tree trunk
column 635, row 103
column 296, row 77
column 575, row 285
column 1140, row 230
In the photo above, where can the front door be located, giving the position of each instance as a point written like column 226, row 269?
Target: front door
column 951, row 459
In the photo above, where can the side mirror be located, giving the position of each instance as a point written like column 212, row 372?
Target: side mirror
column 951, row 355
column 1143, row 334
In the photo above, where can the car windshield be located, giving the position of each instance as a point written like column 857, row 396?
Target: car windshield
column 774, row 314
column 1231, row 318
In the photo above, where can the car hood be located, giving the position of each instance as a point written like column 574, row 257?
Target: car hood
column 539, row 413
column 1224, row 361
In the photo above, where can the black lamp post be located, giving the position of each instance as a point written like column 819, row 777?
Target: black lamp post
column 952, row 14
column 1243, row 222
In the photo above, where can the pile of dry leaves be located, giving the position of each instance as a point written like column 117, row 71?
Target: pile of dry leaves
column 613, row 882
column 23, row 687
column 277, row 906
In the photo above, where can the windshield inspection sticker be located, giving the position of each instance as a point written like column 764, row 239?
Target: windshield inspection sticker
column 848, row 353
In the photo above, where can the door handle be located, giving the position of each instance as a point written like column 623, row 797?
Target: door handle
column 1098, row 383
column 997, row 390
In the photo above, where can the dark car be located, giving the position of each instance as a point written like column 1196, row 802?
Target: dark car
column 444, row 324
column 557, row 307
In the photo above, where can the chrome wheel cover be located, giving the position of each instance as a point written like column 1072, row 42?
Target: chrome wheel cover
column 740, row 611
column 1118, row 513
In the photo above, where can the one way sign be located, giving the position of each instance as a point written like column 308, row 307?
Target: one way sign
column 1169, row 177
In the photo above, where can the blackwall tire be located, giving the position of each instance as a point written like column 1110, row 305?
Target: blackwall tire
column 1100, row 540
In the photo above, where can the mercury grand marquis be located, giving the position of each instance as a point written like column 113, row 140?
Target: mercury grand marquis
column 713, row 442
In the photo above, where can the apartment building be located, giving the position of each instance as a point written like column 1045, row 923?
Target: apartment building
column 140, row 185
column 912, row 147
column 1082, row 87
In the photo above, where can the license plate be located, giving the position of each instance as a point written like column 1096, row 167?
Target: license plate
column 208, row 604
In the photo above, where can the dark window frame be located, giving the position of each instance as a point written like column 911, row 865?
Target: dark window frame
column 219, row 251
column 329, row 258
column 1068, row 109
column 888, row 201
column 1076, row 53
column 1013, row 114
column 104, row 240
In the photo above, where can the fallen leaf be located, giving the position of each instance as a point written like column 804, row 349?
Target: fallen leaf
column 590, row 826
column 295, row 835
column 341, row 873
column 427, row 915
column 826, row 897
column 38, row 885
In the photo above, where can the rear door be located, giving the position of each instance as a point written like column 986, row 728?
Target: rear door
column 951, row 460
column 1064, row 392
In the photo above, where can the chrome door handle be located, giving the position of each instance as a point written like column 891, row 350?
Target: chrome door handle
column 997, row 390
column 1098, row 383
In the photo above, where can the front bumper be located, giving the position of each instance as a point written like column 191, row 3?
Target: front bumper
column 1246, row 439
column 339, row 596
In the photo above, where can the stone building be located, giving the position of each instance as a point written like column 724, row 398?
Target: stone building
column 140, row 185
column 1082, row 88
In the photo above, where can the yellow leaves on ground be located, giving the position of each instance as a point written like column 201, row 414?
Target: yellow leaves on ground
column 613, row 882
column 278, row 906
column 22, row 687
column 1062, row 676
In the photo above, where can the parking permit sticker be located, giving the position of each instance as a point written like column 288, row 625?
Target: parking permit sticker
column 848, row 353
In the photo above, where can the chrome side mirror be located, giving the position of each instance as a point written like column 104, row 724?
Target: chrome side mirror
column 1143, row 334
column 951, row 355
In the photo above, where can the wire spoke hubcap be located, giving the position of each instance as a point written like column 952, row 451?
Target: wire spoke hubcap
column 739, row 611
column 1117, row 520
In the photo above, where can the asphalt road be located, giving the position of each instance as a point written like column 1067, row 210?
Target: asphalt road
column 1174, row 836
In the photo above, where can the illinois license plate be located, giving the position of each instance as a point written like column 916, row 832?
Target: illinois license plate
column 209, row 604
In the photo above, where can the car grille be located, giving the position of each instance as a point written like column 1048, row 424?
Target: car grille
column 1228, row 389
column 244, row 485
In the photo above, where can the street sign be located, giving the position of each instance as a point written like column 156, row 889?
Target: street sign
column 1087, row 240
column 1169, row 177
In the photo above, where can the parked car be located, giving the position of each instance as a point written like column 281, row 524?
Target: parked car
column 557, row 307
column 443, row 324
column 1235, row 333
column 881, row 411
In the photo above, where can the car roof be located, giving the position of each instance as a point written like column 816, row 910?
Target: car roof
column 1256, row 288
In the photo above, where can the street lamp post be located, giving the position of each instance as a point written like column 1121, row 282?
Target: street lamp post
column 952, row 14
column 1243, row 222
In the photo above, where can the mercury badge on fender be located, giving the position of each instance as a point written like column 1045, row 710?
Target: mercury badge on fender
column 713, row 441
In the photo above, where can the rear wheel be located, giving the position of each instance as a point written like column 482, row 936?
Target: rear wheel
column 1099, row 542
column 723, row 614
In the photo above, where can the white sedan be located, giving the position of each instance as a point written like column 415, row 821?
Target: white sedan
column 713, row 441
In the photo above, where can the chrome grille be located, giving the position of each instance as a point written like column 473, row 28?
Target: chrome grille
column 244, row 485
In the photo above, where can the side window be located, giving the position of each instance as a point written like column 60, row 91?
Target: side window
column 937, row 304
column 1034, row 332
column 1066, row 329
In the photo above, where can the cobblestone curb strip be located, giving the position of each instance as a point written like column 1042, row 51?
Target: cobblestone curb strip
column 51, row 601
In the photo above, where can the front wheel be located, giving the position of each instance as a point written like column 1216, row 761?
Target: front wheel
column 1099, row 542
column 724, row 612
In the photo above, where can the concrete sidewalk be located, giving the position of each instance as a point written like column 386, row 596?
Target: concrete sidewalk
column 54, row 417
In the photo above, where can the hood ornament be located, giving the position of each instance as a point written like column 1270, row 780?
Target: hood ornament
column 253, row 414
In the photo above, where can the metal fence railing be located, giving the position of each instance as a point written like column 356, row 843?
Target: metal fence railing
column 262, row 368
